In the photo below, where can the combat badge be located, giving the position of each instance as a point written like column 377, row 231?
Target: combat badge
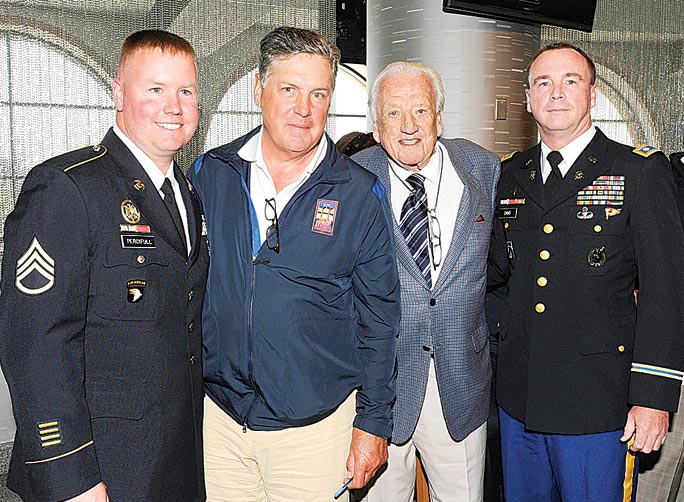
column 585, row 214
column 325, row 216
column 136, row 288
column 35, row 270
column 130, row 212
column 597, row 257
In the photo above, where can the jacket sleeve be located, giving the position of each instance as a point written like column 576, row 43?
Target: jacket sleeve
column 658, row 358
column 43, row 300
column 377, row 300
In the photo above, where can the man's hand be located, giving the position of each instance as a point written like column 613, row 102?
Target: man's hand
column 366, row 454
column 650, row 426
column 97, row 493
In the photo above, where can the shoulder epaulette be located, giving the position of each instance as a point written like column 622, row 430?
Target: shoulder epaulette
column 508, row 157
column 98, row 150
column 645, row 150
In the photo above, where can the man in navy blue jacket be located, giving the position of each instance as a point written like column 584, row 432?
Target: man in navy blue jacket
column 302, row 306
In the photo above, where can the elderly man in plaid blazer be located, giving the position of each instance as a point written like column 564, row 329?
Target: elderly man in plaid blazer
column 441, row 202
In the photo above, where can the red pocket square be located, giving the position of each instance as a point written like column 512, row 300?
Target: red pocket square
column 479, row 218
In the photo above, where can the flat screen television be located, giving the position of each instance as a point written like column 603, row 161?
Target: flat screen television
column 576, row 14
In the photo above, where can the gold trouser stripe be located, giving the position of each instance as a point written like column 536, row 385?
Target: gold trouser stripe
column 59, row 456
column 628, row 484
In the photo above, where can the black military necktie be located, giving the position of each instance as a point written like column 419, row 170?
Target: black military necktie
column 414, row 225
column 170, row 203
column 554, row 158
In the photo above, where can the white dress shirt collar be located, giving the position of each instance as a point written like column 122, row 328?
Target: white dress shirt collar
column 570, row 152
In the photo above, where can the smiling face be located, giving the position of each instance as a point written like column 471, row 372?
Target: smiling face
column 156, row 101
column 407, row 123
column 560, row 96
column 294, row 102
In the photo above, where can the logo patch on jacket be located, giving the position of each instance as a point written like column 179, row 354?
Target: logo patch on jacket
column 325, row 216
column 604, row 191
column 35, row 270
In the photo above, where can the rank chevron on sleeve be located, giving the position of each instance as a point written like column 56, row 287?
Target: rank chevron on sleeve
column 35, row 270
column 649, row 369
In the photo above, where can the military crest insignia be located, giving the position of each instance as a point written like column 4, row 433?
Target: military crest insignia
column 130, row 212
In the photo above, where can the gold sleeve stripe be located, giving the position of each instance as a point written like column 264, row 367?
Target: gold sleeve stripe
column 59, row 456
column 49, row 431
column 51, row 443
column 103, row 153
column 48, row 424
column 48, row 437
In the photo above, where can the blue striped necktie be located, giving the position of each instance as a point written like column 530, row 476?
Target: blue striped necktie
column 414, row 225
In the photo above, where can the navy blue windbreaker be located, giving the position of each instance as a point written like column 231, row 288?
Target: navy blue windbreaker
column 287, row 336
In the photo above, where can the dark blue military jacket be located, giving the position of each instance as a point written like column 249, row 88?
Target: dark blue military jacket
column 100, row 332
column 575, row 348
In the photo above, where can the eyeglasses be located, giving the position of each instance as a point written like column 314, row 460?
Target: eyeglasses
column 434, row 238
column 272, row 232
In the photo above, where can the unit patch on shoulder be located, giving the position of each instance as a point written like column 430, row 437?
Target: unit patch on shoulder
column 49, row 433
column 35, row 270
column 645, row 150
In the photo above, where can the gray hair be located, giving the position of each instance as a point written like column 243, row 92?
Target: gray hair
column 287, row 41
column 403, row 67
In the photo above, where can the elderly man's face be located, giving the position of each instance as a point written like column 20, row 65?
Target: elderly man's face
column 156, row 101
column 294, row 102
column 407, row 123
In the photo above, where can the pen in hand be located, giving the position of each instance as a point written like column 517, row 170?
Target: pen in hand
column 342, row 489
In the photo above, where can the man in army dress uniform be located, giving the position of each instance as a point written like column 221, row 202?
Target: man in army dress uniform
column 583, row 370
column 102, row 286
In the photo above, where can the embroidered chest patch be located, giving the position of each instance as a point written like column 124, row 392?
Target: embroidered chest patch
column 325, row 216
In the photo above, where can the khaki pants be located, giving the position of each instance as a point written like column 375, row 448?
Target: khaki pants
column 306, row 464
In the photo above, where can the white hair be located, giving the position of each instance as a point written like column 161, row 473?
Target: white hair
column 403, row 67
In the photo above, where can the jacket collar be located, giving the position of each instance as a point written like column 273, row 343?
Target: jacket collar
column 590, row 164
column 332, row 169
column 147, row 199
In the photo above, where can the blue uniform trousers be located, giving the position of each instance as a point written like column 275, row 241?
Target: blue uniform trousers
column 569, row 468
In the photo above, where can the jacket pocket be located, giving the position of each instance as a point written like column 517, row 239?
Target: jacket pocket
column 613, row 336
column 130, row 288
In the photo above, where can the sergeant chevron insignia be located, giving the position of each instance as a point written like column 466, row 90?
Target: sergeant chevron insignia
column 35, row 270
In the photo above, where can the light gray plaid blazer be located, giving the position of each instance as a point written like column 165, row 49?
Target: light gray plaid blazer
column 455, row 325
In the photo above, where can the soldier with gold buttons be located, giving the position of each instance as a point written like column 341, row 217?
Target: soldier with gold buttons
column 586, row 376
column 102, row 368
